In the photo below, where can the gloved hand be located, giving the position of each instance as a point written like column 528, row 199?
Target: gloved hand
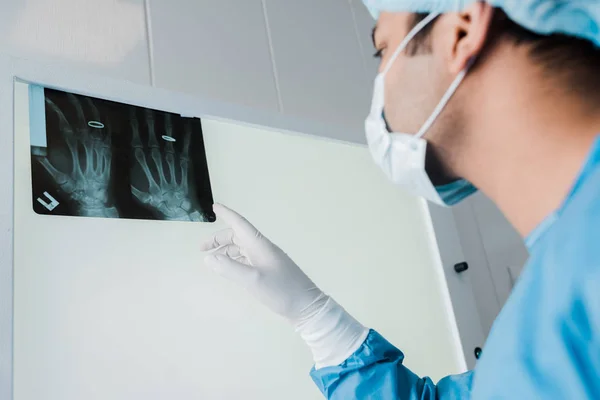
column 243, row 255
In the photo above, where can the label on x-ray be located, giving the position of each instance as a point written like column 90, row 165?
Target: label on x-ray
column 37, row 117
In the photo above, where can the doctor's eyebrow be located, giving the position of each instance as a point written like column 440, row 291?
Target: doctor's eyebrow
column 373, row 36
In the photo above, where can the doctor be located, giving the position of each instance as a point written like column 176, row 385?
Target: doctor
column 502, row 95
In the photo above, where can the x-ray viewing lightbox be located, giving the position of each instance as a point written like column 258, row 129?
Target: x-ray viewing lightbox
column 98, row 158
column 125, row 309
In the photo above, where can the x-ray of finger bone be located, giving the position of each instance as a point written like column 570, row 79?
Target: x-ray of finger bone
column 97, row 158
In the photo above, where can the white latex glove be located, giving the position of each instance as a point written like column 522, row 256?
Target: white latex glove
column 243, row 255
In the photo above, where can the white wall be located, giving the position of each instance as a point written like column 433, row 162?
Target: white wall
column 304, row 59
column 125, row 309
column 105, row 37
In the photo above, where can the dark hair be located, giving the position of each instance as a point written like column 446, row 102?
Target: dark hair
column 575, row 61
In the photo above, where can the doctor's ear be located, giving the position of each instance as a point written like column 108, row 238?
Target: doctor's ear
column 469, row 31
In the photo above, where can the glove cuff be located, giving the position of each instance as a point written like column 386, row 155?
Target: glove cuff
column 332, row 334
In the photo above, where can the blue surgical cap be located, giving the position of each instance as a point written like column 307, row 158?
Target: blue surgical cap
column 580, row 18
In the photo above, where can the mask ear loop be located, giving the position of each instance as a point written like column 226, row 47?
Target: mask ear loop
column 414, row 31
column 444, row 101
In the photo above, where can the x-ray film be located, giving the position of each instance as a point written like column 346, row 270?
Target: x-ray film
column 98, row 158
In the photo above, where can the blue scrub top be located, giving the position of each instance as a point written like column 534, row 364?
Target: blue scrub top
column 545, row 344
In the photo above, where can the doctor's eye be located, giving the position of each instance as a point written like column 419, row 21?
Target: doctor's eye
column 378, row 53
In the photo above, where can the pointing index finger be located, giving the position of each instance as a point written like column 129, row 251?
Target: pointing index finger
column 243, row 229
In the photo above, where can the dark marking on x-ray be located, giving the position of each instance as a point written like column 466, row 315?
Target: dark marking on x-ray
column 105, row 159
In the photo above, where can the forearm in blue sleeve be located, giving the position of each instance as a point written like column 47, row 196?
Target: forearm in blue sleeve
column 375, row 371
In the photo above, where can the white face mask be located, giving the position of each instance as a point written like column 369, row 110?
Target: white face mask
column 401, row 156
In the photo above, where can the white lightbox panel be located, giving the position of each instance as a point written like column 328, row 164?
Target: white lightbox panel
column 125, row 309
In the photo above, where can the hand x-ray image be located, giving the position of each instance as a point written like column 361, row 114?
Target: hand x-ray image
column 111, row 160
